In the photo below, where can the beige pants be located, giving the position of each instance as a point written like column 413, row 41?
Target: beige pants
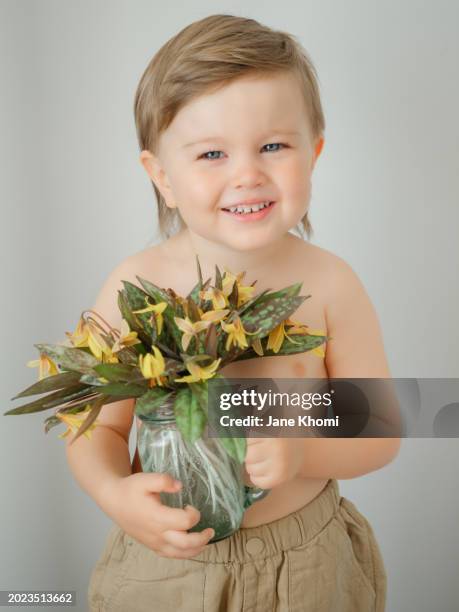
column 321, row 558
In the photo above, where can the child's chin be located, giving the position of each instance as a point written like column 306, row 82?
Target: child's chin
column 248, row 243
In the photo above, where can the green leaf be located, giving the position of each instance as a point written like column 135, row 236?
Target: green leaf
column 137, row 299
column 189, row 416
column 50, row 422
column 218, row 279
column 235, row 447
column 69, row 358
column 150, row 401
column 131, row 319
column 50, row 383
column 290, row 291
column 233, row 297
column 200, row 392
column 117, row 372
column 193, row 311
column 93, row 381
column 53, row 399
column 158, row 294
column 210, row 342
column 125, row 390
column 173, row 309
column 199, row 272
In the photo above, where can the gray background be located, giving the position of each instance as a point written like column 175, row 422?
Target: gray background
column 75, row 201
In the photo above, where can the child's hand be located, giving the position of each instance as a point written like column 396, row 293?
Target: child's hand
column 134, row 504
column 273, row 461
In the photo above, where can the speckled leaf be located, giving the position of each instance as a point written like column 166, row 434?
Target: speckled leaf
column 137, row 299
column 306, row 343
column 69, row 358
column 131, row 319
column 291, row 291
column 265, row 316
column 158, row 294
column 170, row 330
column 250, row 303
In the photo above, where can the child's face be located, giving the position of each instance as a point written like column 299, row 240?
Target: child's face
column 238, row 158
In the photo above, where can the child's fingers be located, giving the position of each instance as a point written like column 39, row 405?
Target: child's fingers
column 157, row 482
column 176, row 518
column 186, row 541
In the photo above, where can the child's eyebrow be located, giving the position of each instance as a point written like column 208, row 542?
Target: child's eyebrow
column 219, row 138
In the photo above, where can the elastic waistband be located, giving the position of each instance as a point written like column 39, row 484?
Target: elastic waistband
column 295, row 529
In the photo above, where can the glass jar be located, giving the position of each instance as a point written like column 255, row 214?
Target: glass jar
column 211, row 479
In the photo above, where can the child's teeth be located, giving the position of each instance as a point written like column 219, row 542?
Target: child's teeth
column 248, row 209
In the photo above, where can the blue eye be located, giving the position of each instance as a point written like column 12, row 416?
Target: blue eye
column 276, row 144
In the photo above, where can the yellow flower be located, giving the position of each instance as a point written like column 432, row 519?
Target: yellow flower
column 216, row 295
column 298, row 328
column 215, row 316
column 46, row 366
column 87, row 334
column 236, row 334
column 276, row 337
column 190, row 329
column 79, row 337
column 199, row 373
column 158, row 309
column 74, row 422
column 257, row 347
column 127, row 337
column 244, row 292
column 152, row 366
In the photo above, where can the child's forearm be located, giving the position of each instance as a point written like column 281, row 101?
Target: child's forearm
column 98, row 462
column 343, row 458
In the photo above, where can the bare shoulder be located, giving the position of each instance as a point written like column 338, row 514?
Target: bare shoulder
column 128, row 269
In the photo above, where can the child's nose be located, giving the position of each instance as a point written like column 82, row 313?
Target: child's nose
column 248, row 173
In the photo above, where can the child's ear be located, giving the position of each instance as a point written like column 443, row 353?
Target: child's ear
column 319, row 146
column 318, row 149
column 158, row 175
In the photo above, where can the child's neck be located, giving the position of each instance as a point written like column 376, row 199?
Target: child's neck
column 259, row 263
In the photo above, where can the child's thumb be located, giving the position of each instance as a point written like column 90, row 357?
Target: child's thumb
column 158, row 482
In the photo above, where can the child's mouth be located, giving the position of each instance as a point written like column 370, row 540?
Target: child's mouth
column 250, row 216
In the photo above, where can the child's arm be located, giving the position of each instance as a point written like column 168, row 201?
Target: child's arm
column 102, row 467
column 355, row 351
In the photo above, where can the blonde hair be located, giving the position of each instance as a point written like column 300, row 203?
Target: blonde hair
column 203, row 57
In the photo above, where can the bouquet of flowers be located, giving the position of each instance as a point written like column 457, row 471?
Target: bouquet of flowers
column 167, row 344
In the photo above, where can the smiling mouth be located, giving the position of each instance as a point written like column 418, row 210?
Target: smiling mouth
column 251, row 212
